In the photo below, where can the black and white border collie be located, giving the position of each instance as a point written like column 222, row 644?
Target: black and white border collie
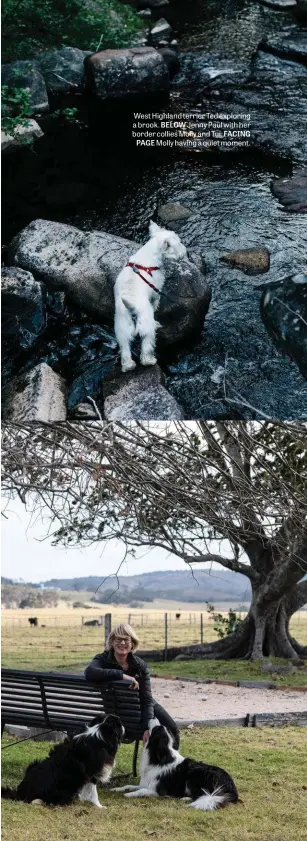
column 73, row 767
column 165, row 773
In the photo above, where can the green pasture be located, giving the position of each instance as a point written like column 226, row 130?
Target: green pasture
column 71, row 648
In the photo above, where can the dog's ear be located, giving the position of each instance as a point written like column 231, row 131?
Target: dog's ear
column 153, row 228
column 158, row 746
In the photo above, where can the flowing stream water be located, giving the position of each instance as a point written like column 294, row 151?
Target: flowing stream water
column 93, row 178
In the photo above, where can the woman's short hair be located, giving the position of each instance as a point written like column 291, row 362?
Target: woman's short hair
column 123, row 630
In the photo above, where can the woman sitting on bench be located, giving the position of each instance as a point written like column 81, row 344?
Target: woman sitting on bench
column 120, row 662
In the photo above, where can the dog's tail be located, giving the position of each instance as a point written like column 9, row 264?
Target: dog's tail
column 209, row 802
column 9, row 793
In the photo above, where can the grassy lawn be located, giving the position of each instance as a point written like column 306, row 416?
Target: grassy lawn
column 268, row 765
column 229, row 670
column 72, row 648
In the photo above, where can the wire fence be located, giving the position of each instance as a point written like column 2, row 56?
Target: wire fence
column 88, row 631
column 142, row 619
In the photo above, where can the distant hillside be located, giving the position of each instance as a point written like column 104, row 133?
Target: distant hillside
column 180, row 585
column 14, row 595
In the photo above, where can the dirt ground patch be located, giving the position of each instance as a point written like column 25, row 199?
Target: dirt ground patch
column 190, row 700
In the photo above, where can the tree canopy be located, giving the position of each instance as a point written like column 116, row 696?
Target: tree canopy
column 232, row 493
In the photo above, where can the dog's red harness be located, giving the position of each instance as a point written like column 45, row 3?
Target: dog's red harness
column 149, row 270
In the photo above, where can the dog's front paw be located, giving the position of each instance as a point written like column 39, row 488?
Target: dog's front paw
column 129, row 365
column 148, row 360
column 100, row 806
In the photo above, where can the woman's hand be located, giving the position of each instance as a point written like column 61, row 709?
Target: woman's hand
column 133, row 682
column 146, row 735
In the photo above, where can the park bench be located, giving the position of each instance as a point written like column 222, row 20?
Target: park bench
column 64, row 701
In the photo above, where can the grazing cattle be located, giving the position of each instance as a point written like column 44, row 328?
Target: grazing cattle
column 94, row 623
column 33, row 621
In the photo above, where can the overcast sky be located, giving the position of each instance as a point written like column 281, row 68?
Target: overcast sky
column 25, row 556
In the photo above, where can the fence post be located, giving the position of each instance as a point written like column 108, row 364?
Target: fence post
column 165, row 636
column 201, row 628
column 82, row 620
column 107, row 626
column 129, row 618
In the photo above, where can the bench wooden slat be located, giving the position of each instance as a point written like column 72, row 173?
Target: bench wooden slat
column 64, row 701
column 61, row 699
column 65, row 695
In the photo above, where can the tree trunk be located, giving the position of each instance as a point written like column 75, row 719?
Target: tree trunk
column 263, row 633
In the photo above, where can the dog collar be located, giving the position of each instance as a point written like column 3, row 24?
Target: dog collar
column 149, row 269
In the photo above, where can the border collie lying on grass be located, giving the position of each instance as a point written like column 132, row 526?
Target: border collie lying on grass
column 73, row 767
column 165, row 773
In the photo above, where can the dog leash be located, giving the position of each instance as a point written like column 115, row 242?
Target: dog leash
column 27, row 739
column 135, row 267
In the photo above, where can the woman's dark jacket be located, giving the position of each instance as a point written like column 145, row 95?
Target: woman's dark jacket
column 104, row 667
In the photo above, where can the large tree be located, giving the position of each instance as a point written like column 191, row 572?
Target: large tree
column 232, row 493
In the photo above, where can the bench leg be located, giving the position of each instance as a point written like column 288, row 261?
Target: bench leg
column 135, row 757
column 2, row 727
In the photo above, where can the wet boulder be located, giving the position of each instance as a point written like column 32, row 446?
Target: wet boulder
column 22, row 136
column 291, row 46
column 85, row 266
column 88, row 375
column 23, row 308
column 69, row 260
column 185, row 301
column 251, row 261
column 113, row 74
column 279, row 5
column 275, row 97
column 84, row 411
column 25, row 74
column 301, row 11
column 292, row 192
column 38, row 395
column 201, row 70
column 161, row 31
column 151, row 4
column 174, row 212
column 140, row 395
column 284, row 312
column 171, row 60
column 63, row 70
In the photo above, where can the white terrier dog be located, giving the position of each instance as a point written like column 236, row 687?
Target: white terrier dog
column 137, row 294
